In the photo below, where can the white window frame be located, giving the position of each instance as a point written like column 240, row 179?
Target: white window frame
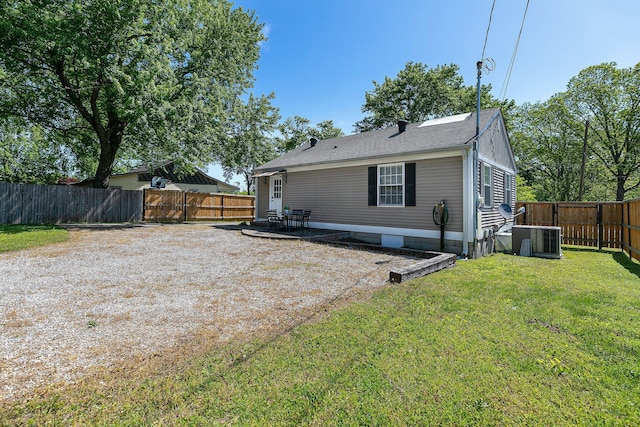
column 402, row 186
column 487, row 187
column 508, row 188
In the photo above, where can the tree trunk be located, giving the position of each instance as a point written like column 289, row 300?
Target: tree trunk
column 621, row 180
column 109, row 144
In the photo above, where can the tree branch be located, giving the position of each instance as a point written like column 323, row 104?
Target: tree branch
column 71, row 91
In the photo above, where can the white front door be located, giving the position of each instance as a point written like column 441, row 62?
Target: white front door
column 275, row 192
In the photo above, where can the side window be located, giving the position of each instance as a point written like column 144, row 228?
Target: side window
column 487, row 185
column 391, row 185
column 508, row 182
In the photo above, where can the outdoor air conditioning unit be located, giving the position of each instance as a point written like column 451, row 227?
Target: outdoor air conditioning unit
column 545, row 242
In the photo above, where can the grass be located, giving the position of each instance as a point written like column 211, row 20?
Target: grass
column 503, row 340
column 16, row 237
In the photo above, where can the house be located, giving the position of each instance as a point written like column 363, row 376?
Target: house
column 167, row 178
column 384, row 186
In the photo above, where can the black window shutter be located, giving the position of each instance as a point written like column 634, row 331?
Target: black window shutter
column 410, row 184
column 373, row 186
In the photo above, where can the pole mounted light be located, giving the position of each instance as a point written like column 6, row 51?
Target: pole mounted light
column 488, row 64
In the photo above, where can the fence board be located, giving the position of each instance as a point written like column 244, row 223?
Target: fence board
column 164, row 205
column 631, row 225
column 582, row 223
column 57, row 204
column 172, row 206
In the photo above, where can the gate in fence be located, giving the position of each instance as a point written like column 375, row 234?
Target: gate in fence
column 175, row 206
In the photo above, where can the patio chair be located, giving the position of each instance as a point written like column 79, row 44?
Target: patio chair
column 296, row 217
column 273, row 219
column 306, row 214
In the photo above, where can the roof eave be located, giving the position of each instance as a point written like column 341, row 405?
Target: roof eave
column 399, row 156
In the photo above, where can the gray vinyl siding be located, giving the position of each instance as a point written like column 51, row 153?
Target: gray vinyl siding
column 491, row 216
column 339, row 196
column 494, row 144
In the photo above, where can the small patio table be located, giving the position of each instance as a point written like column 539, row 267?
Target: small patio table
column 290, row 217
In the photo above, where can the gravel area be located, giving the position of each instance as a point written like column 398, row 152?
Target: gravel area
column 110, row 296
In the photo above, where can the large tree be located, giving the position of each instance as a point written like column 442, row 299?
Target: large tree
column 419, row 93
column 150, row 79
column 548, row 146
column 249, row 142
column 609, row 98
column 297, row 130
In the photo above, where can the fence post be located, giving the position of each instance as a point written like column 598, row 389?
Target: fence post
column 554, row 214
column 222, row 206
column 600, row 226
column 184, row 205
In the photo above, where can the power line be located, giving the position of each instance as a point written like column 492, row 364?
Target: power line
column 503, row 91
column 486, row 37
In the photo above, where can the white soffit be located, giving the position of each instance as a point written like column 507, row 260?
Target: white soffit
column 443, row 120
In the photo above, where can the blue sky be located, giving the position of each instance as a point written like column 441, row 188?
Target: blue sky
column 321, row 56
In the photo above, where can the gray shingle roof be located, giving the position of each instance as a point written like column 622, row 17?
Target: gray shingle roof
column 167, row 170
column 385, row 143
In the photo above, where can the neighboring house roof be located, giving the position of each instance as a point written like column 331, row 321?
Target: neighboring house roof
column 167, row 170
column 433, row 135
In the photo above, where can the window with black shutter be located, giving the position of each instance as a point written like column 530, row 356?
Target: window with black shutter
column 392, row 185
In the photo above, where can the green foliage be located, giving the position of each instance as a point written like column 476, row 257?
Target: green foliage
column 147, row 80
column 419, row 93
column 248, row 143
column 16, row 237
column 548, row 137
column 503, row 340
column 609, row 98
column 326, row 130
column 297, row 130
column 547, row 144
column 524, row 192
column 27, row 155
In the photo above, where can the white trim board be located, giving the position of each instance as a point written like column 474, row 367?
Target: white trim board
column 456, row 152
column 407, row 232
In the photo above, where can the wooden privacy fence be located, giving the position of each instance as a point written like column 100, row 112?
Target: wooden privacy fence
column 56, row 204
column 597, row 224
column 170, row 206
column 631, row 228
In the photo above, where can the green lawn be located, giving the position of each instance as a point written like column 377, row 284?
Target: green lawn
column 504, row 340
column 15, row 237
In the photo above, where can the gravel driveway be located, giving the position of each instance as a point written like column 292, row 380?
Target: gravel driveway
column 107, row 297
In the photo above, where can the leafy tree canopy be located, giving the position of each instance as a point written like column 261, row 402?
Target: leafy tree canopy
column 548, row 138
column 420, row 93
column 248, row 143
column 548, row 145
column 297, row 130
column 27, row 155
column 133, row 78
column 525, row 192
column 609, row 99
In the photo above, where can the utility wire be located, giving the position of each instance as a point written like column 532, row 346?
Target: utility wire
column 503, row 91
column 486, row 37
